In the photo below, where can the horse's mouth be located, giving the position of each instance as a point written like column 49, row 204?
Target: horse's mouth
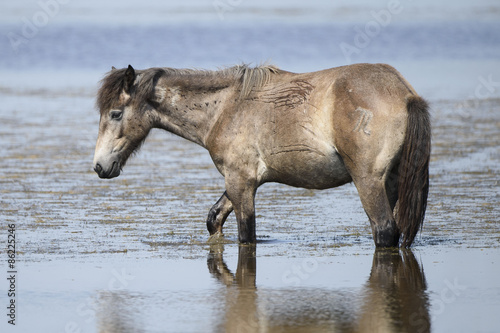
column 113, row 172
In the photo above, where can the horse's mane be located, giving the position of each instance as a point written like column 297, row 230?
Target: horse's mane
column 247, row 77
column 255, row 77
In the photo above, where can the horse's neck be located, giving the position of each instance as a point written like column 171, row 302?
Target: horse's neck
column 189, row 108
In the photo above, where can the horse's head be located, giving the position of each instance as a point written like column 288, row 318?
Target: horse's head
column 125, row 122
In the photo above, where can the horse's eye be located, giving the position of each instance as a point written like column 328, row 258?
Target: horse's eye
column 116, row 115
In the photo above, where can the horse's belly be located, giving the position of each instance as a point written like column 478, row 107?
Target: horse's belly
column 298, row 149
column 308, row 168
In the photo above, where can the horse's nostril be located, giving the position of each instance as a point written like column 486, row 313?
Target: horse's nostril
column 98, row 168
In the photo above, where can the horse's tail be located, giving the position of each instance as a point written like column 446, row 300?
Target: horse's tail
column 413, row 180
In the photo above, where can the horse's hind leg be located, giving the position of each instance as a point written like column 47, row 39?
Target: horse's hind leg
column 378, row 207
column 218, row 214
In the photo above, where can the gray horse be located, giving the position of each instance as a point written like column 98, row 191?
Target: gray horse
column 361, row 123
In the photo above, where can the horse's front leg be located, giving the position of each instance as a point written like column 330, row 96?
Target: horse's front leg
column 218, row 214
column 241, row 191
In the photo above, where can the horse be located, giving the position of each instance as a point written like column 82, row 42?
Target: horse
column 361, row 123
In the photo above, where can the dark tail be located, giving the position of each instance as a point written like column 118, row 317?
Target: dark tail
column 413, row 181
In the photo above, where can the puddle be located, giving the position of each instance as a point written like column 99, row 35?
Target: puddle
column 232, row 289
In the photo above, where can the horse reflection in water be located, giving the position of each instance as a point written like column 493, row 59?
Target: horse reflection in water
column 394, row 299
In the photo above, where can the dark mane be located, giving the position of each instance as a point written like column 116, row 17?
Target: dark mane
column 113, row 83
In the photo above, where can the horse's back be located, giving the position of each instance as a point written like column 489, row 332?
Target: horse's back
column 303, row 127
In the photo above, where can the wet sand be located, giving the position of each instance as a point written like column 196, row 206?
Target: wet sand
column 131, row 254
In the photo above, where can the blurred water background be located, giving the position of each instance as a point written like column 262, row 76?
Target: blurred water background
column 443, row 48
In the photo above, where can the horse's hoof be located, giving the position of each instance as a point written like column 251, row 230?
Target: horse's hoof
column 387, row 236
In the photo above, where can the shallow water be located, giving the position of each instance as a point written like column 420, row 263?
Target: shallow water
column 131, row 254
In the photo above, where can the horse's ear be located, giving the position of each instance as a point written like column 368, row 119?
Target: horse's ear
column 129, row 78
column 113, row 68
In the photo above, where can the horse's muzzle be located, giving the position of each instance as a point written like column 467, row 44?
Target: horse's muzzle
column 113, row 172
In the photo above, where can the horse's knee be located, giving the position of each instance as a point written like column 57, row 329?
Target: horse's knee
column 216, row 218
column 218, row 214
column 386, row 235
column 211, row 221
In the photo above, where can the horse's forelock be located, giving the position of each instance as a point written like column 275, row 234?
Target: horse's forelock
column 110, row 89
column 112, row 86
